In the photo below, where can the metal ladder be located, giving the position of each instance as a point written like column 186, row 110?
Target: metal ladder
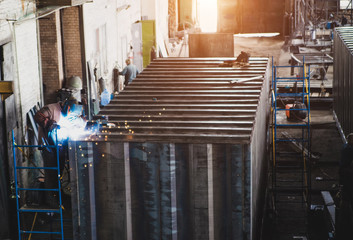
column 291, row 181
column 36, row 210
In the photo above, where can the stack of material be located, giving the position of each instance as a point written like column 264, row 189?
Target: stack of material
column 186, row 159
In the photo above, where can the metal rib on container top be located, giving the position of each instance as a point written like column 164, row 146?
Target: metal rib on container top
column 343, row 77
column 188, row 100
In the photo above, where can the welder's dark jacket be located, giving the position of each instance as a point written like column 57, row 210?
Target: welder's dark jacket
column 53, row 113
column 346, row 172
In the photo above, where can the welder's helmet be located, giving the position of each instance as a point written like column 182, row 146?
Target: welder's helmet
column 71, row 107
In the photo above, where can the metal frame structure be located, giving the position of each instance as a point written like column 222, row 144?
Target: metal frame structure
column 24, row 209
column 307, row 14
column 291, row 181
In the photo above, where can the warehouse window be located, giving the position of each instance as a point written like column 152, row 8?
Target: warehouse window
column 346, row 4
column 101, row 49
column 6, row 62
column 207, row 15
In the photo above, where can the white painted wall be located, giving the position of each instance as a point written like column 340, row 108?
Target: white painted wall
column 148, row 9
column 161, row 23
column 117, row 16
column 27, row 65
column 100, row 20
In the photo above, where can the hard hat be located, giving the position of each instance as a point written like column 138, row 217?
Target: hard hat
column 74, row 82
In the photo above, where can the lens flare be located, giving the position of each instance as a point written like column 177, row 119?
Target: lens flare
column 71, row 127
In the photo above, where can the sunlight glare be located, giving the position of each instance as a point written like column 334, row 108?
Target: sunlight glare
column 208, row 15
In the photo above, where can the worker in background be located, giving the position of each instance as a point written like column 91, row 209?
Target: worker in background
column 130, row 72
column 48, row 119
column 346, row 181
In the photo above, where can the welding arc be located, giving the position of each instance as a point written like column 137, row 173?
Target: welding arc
column 239, row 80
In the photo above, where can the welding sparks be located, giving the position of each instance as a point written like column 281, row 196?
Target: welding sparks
column 71, row 127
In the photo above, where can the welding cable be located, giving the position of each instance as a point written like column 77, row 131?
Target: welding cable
column 307, row 91
column 323, row 172
column 34, row 221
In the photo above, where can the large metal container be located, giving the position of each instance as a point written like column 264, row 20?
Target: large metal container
column 186, row 159
column 343, row 77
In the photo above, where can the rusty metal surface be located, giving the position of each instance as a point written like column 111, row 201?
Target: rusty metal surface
column 186, row 101
column 6, row 87
column 343, row 77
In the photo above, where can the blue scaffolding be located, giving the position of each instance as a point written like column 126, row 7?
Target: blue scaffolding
column 291, row 180
column 25, row 209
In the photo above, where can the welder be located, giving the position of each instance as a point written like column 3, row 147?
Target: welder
column 49, row 119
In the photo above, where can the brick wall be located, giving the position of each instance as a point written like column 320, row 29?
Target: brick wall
column 60, row 50
column 50, row 41
column 71, row 41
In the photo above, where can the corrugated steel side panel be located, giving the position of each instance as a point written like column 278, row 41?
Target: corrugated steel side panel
column 160, row 190
column 258, row 148
column 343, row 77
